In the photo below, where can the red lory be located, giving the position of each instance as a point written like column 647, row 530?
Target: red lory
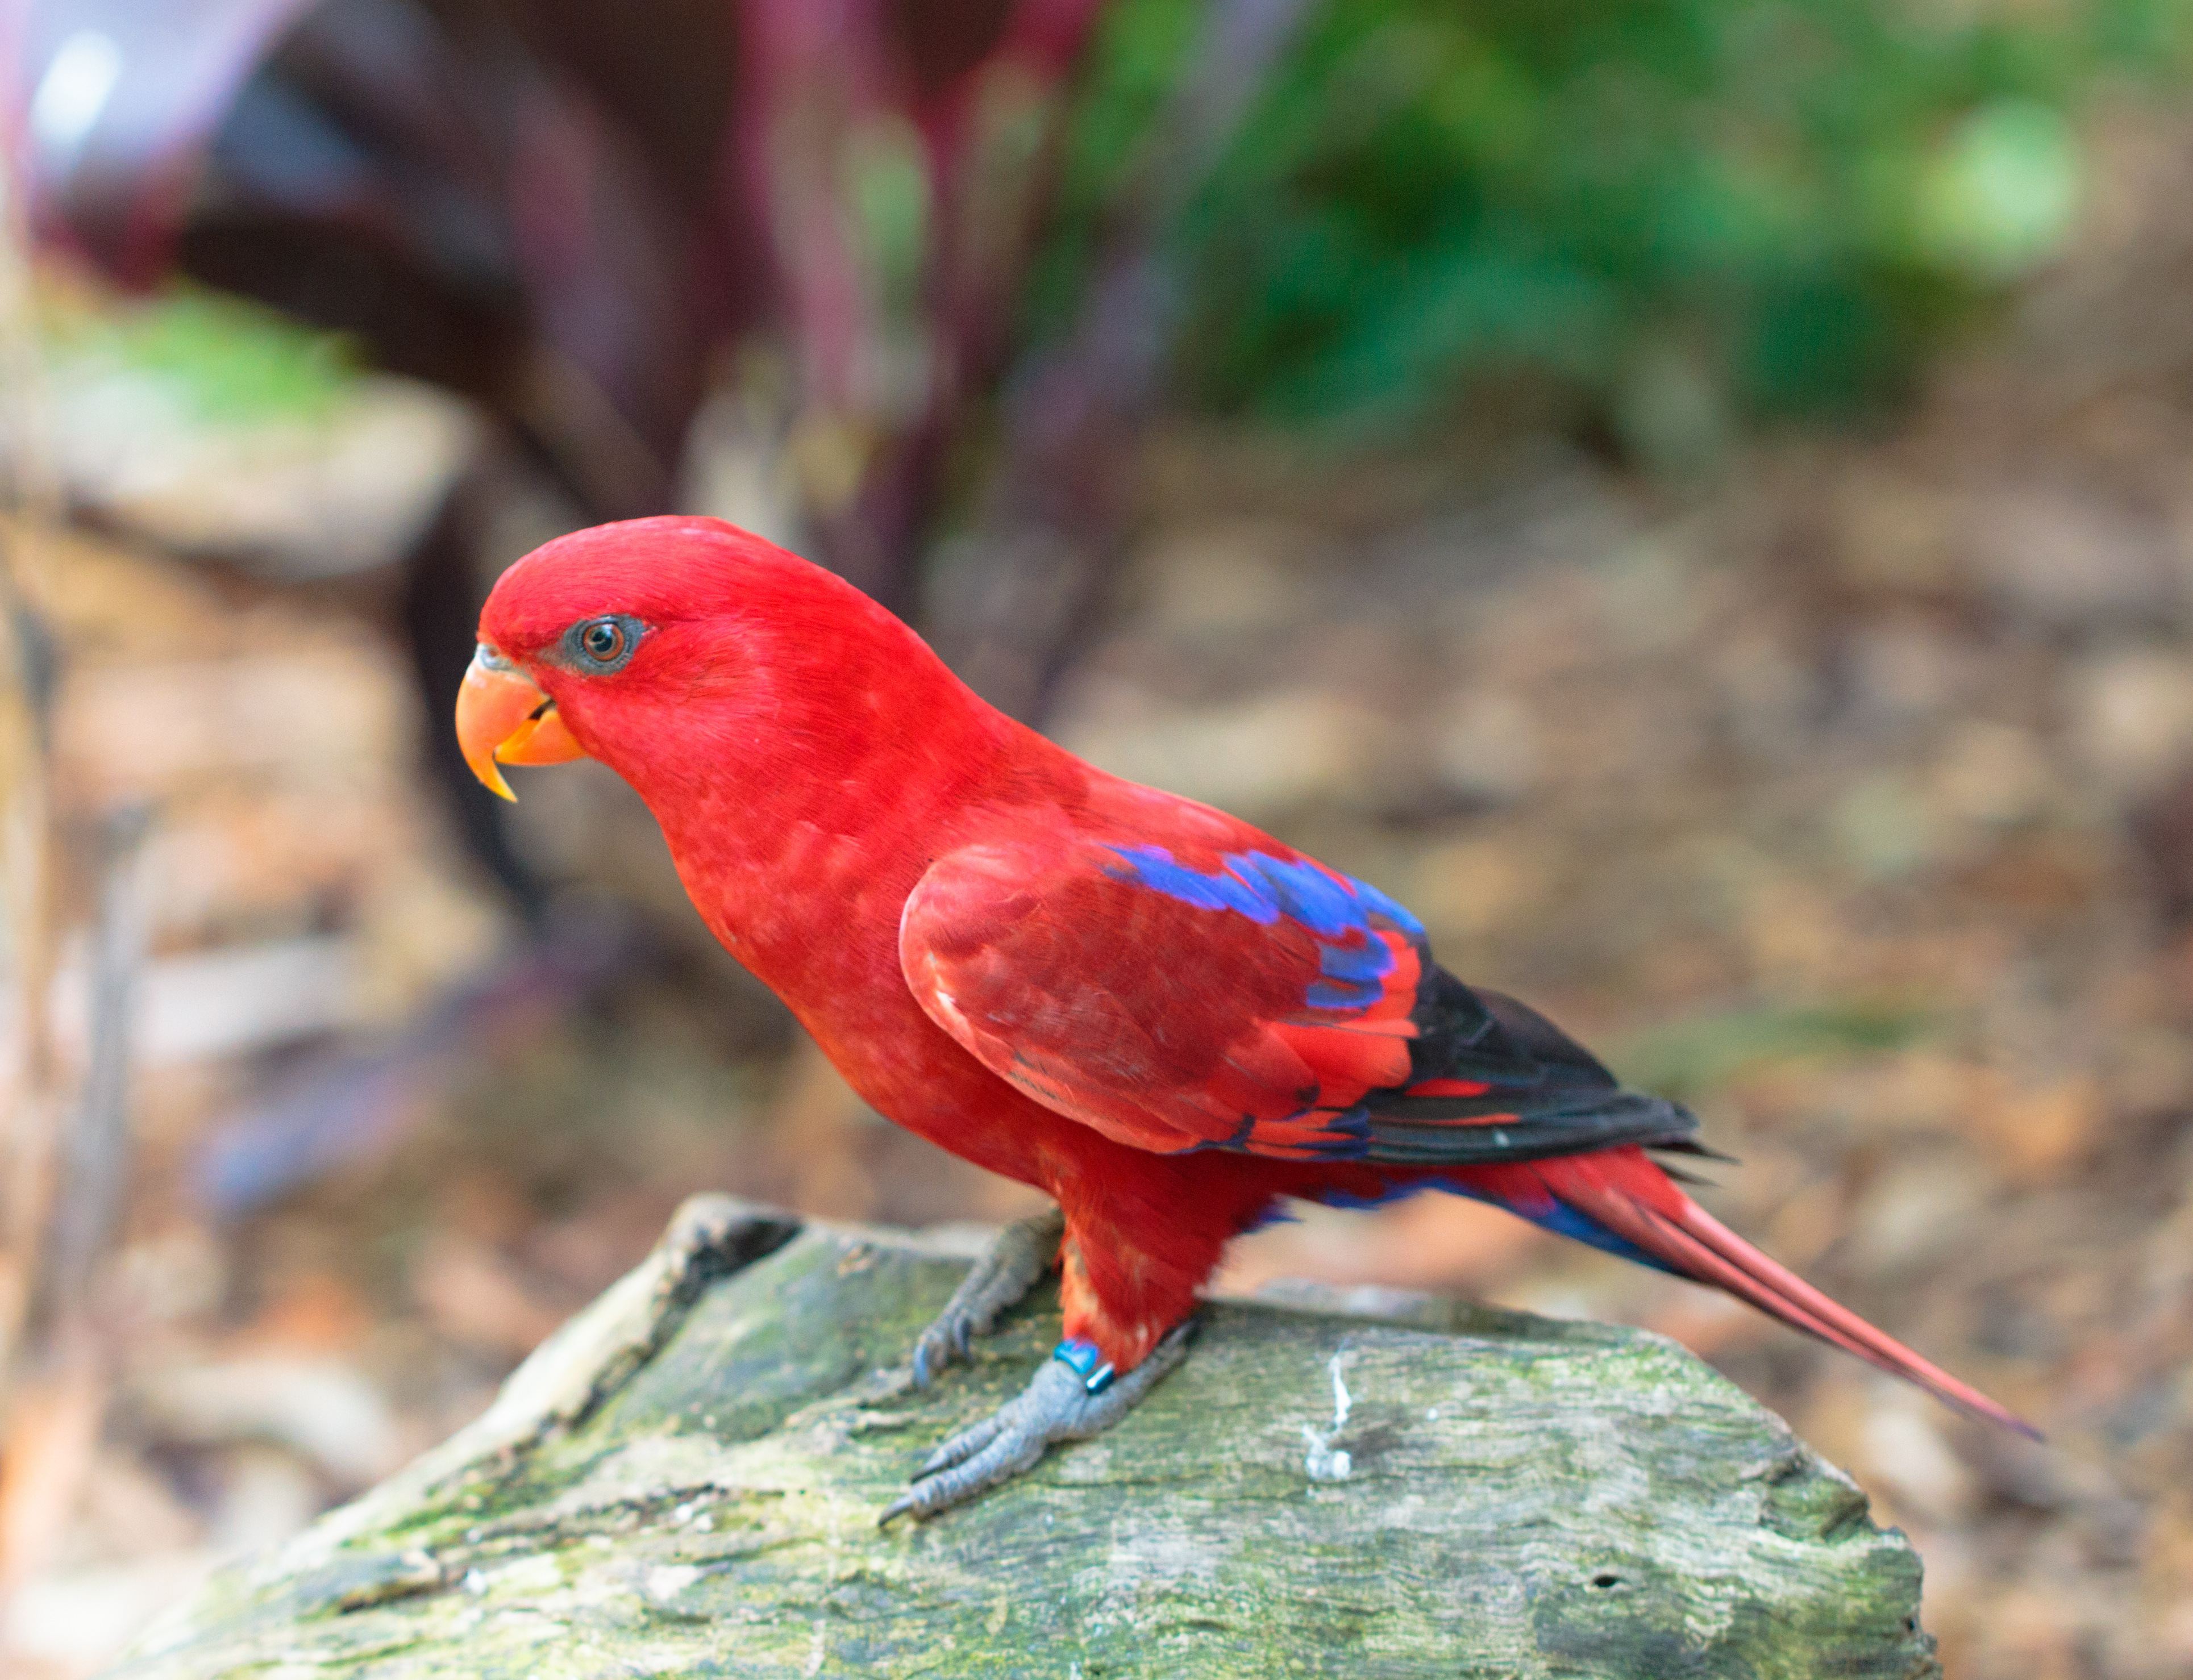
column 1160, row 1016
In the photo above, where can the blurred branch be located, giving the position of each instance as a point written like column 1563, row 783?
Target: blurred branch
column 57, row 1394
column 1073, row 408
column 27, row 956
column 64, row 1177
column 94, row 1153
column 28, row 1076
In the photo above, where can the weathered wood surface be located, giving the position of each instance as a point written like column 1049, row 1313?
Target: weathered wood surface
column 686, row 1480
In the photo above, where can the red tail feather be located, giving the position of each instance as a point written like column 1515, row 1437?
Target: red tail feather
column 1632, row 1198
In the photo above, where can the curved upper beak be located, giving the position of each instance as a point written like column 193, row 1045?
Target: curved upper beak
column 504, row 718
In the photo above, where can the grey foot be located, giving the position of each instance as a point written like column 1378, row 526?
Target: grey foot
column 1056, row 1406
column 1024, row 1251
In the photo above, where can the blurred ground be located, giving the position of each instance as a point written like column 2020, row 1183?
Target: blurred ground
column 1847, row 793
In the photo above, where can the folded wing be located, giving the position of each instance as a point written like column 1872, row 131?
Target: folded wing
column 1250, row 1000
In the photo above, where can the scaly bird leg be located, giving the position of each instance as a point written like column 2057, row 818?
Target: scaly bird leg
column 1072, row 1398
column 1023, row 1252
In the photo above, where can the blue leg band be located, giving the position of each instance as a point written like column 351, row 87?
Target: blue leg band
column 1083, row 1359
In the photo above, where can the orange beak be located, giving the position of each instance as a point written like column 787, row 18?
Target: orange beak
column 504, row 718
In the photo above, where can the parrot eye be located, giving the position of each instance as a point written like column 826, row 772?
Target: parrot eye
column 602, row 641
column 601, row 646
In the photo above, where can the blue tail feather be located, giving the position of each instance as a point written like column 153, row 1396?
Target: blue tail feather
column 1555, row 1215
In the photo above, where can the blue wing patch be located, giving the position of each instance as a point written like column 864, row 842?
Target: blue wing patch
column 1263, row 888
column 1354, row 976
column 1362, row 938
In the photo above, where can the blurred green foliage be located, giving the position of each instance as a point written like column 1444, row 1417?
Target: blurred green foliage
column 215, row 359
column 1689, row 214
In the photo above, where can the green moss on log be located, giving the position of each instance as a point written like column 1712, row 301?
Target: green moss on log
column 1497, row 1495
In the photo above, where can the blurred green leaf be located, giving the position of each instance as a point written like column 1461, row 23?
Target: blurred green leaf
column 887, row 189
column 219, row 359
column 1999, row 196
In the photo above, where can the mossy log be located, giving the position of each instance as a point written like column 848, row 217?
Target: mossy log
column 686, row 1480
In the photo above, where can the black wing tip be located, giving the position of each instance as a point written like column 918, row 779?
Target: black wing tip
column 1482, row 1131
column 1691, row 1145
column 1695, row 1181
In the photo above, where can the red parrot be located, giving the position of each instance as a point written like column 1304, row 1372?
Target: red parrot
column 1160, row 1016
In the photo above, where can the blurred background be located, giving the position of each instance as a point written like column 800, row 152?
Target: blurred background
column 1692, row 495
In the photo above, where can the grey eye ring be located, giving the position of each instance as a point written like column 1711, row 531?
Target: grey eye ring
column 601, row 646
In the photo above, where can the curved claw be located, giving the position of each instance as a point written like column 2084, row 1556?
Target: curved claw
column 1055, row 1406
column 958, row 1448
column 1021, row 1253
